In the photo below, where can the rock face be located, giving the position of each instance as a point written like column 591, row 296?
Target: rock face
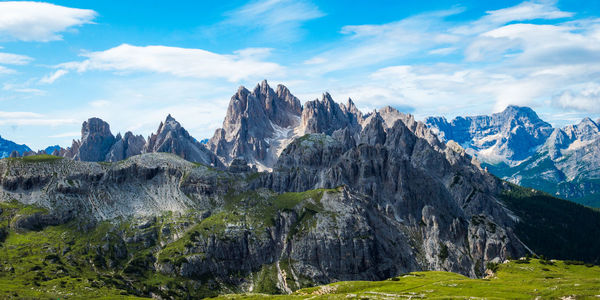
column 126, row 146
column 96, row 141
column 388, row 214
column 172, row 138
column 528, row 151
column 7, row 147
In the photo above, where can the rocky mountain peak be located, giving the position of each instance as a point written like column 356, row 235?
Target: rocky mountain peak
column 96, row 141
column 126, row 146
column 171, row 137
column 257, row 124
column 95, row 127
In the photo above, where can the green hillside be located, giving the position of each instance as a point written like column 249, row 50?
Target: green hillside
column 518, row 279
column 555, row 227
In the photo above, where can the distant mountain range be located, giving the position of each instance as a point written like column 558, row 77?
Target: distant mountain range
column 514, row 144
column 7, row 147
column 520, row 147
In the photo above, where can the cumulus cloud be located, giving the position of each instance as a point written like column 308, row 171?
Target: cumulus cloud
column 39, row 21
column 586, row 100
column 181, row 62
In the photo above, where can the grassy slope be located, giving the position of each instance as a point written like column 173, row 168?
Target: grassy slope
column 554, row 227
column 513, row 280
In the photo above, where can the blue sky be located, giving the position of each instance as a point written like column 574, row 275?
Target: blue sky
column 133, row 62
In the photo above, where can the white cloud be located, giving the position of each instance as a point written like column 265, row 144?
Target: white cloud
column 100, row 103
column 50, row 78
column 39, row 21
column 22, row 88
column 37, row 122
column 585, row 100
column 181, row 62
column 528, row 10
column 14, row 59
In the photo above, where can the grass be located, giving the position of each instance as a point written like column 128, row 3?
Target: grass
column 37, row 158
column 512, row 280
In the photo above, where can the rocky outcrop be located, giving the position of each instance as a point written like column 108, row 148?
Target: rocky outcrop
column 96, row 141
column 126, row 146
column 388, row 214
column 326, row 116
column 172, row 138
column 257, row 126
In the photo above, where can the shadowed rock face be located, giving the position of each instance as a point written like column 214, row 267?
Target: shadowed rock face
column 126, row 146
column 172, row 138
column 96, row 141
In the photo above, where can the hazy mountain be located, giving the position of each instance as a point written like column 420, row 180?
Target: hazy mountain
column 518, row 146
column 7, row 147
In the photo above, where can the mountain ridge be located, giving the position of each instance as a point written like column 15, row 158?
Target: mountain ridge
column 561, row 161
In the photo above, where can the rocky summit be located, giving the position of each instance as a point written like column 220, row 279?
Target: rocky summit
column 260, row 124
column 342, row 195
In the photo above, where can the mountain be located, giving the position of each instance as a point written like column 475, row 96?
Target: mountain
column 518, row 146
column 346, row 196
column 506, row 137
column 173, row 138
column 125, row 146
column 7, row 147
column 97, row 143
column 260, row 124
column 51, row 149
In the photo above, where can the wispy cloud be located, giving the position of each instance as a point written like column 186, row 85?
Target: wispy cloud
column 499, row 59
column 66, row 134
column 39, row 21
column 279, row 20
column 50, row 78
column 180, row 62
column 14, row 59
column 30, row 118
